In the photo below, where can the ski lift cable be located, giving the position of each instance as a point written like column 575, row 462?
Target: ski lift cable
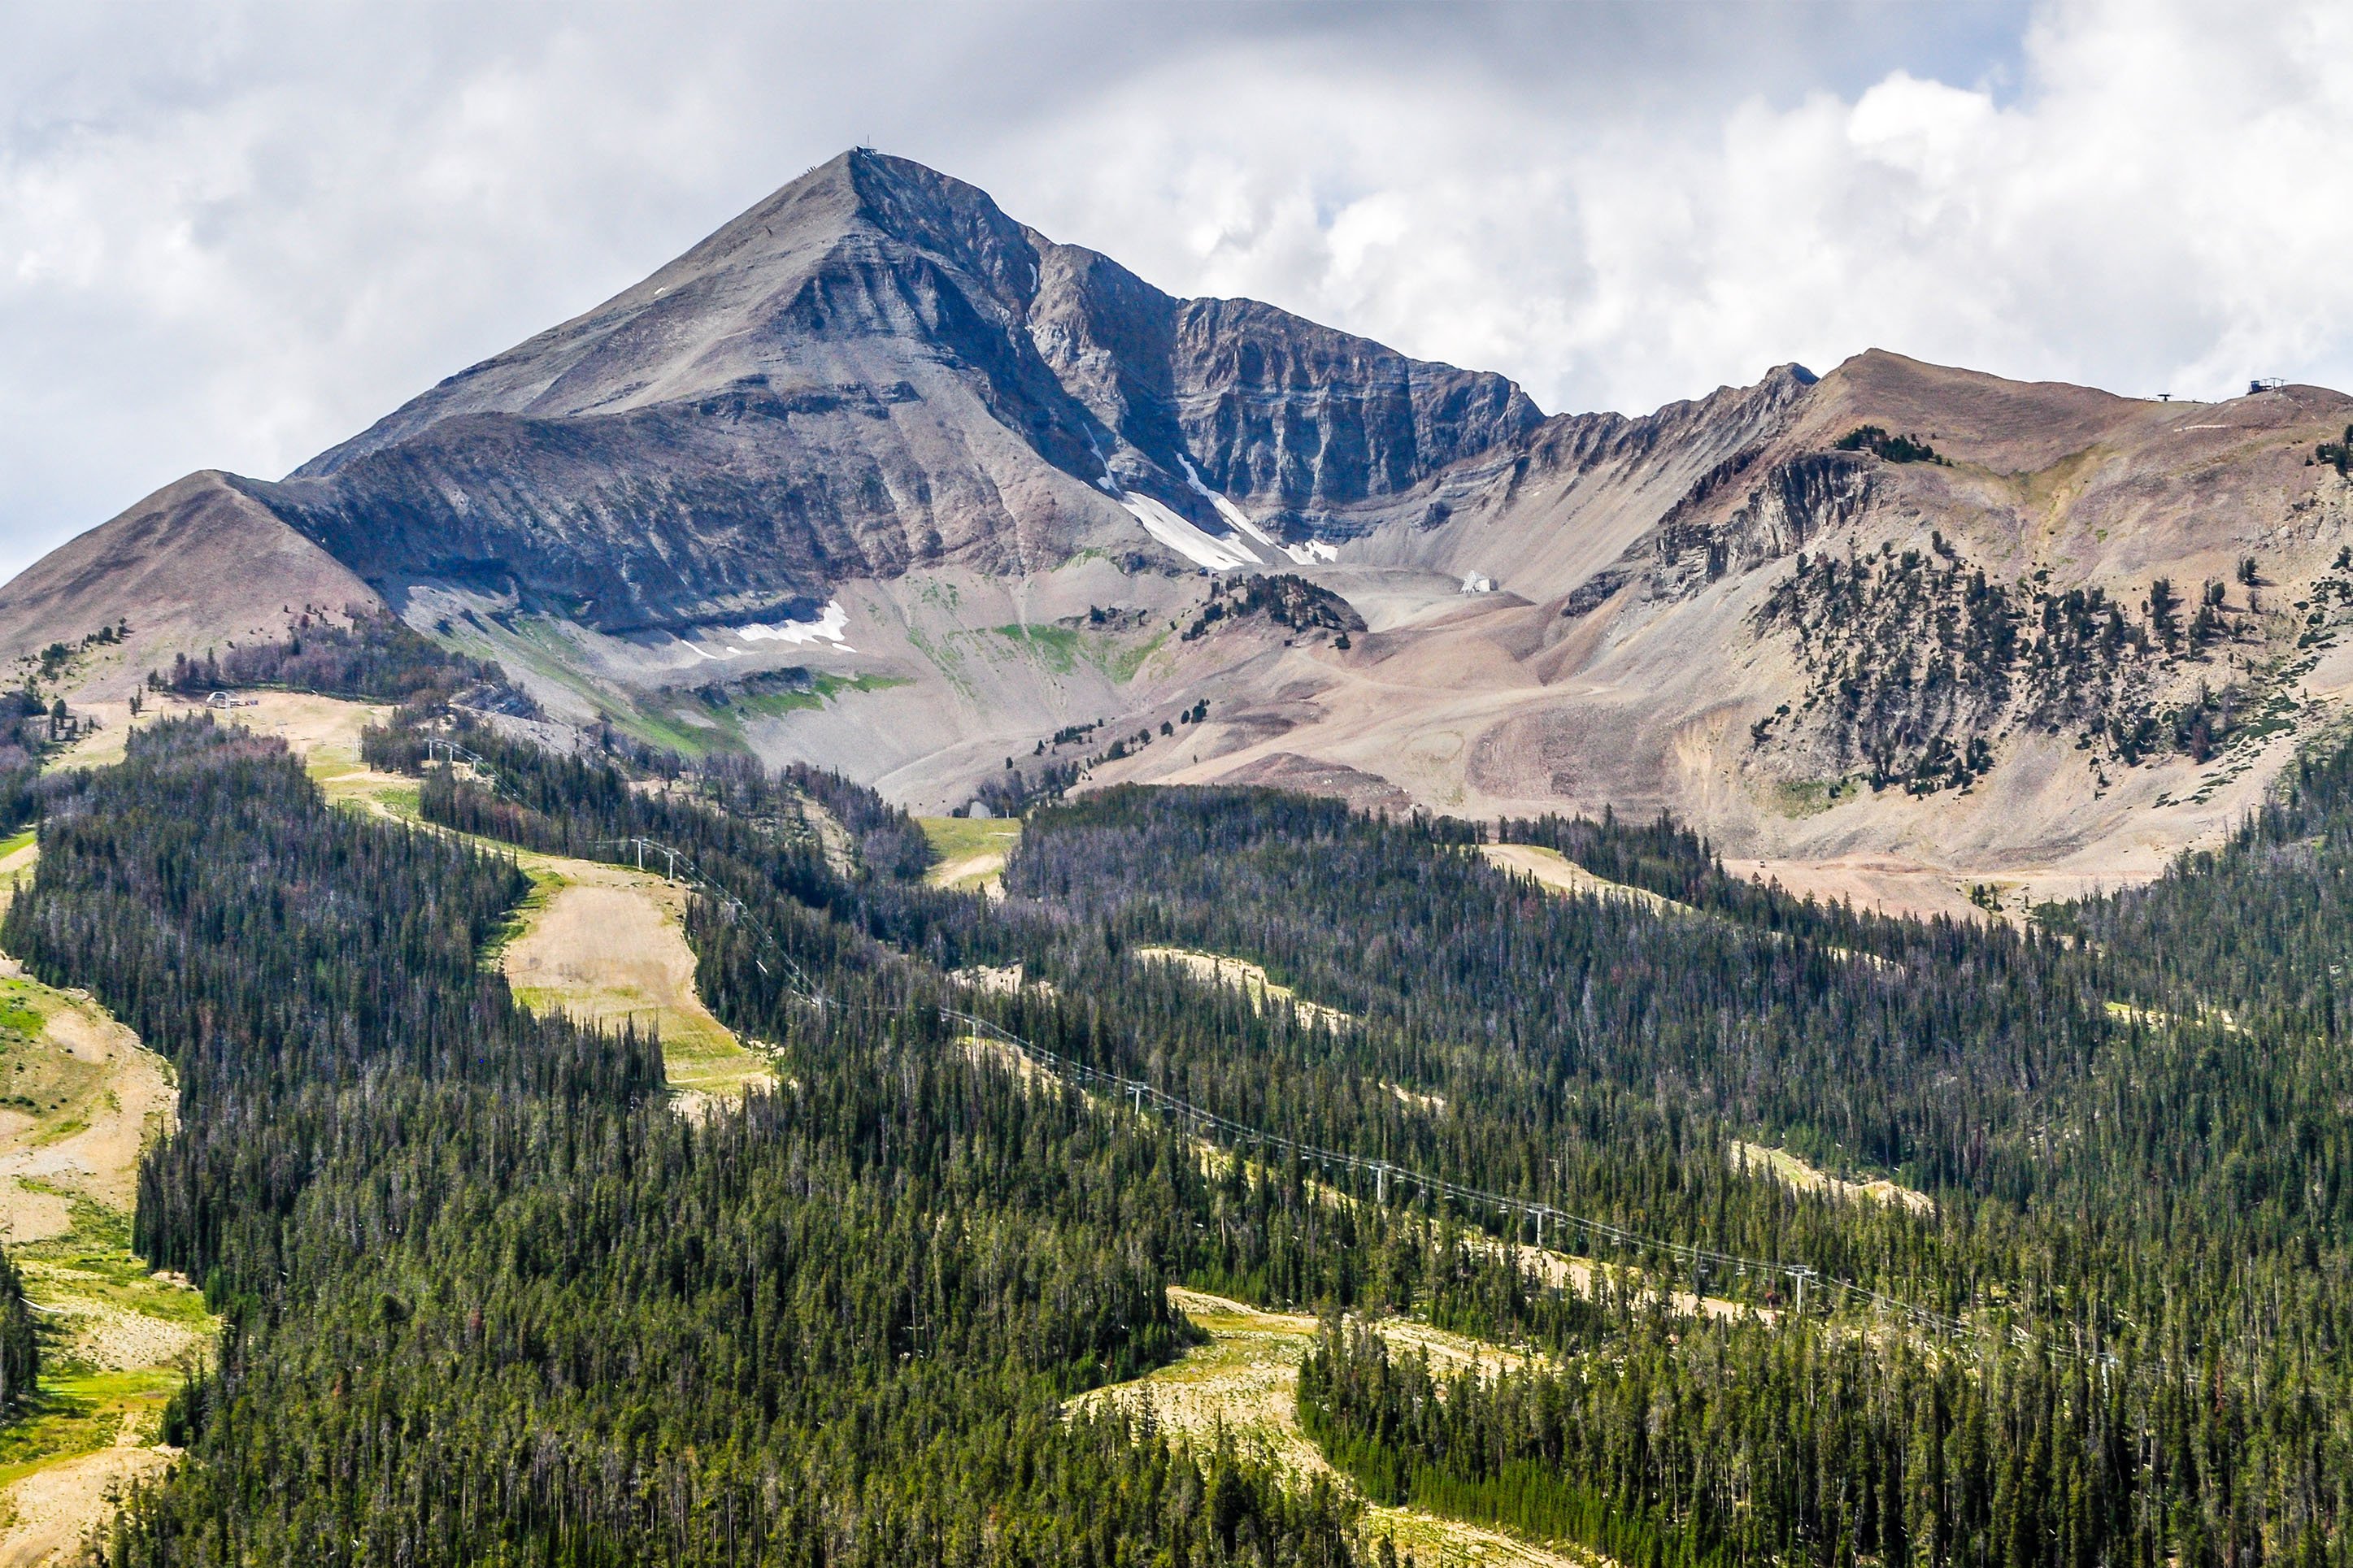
column 683, row 868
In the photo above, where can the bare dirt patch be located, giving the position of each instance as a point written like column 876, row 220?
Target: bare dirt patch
column 1246, row 1378
column 988, row 1050
column 607, row 944
column 80, row 1099
column 28, row 1214
column 1245, row 977
column 998, row 980
column 84, row 1100
column 116, row 1338
column 1245, row 1383
column 1797, row 1174
column 1556, row 872
column 1435, row 1104
column 55, row 1506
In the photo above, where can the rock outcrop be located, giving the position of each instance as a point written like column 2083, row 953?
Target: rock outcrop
column 875, row 370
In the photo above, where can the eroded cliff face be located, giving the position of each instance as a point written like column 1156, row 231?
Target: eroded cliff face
column 1302, row 421
column 876, row 370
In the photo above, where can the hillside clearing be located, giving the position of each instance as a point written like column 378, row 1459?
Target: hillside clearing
column 605, row 943
column 1554, row 871
column 18, row 856
column 971, row 851
column 1797, row 1174
column 1245, row 1383
column 79, row 1100
column 598, row 941
column 1248, row 978
column 324, row 732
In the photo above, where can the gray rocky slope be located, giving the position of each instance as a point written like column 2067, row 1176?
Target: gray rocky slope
column 874, row 370
column 878, row 477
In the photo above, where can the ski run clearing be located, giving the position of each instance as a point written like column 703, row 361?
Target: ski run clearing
column 1795, row 1173
column 604, row 944
column 1245, row 1383
column 324, row 732
column 607, row 944
column 971, row 851
column 1248, row 978
column 79, row 1100
column 1555, row 871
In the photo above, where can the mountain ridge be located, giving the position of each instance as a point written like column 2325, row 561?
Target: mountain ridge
column 877, row 441
column 868, row 287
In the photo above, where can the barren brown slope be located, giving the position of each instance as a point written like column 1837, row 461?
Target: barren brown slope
column 1642, row 690
column 197, row 564
column 1643, row 695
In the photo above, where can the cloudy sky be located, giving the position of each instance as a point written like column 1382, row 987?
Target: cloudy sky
column 232, row 234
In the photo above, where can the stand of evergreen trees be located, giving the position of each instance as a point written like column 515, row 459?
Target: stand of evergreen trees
column 2162, row 1197
column 1587, row 1053
column 1705, row 1443
column 1918, row 663
column 373, row 657
column 20, row 1343
column 491, row 1300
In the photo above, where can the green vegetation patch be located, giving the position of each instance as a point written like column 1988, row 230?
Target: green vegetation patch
column 953, row 838
column 1804, row 797
column 822, row 690
column 1122, row 663
column 1056, row 649
column 20, row 1014
column 69, row 1416
column 1061, row 649
column 1877, row 440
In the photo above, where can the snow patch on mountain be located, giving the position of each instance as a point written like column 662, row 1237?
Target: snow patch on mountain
column 831, row 625
column 1307, row 554
column 1216, row 555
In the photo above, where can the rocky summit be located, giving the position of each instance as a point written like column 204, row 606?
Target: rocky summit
column 878, row 478
column 873, row 372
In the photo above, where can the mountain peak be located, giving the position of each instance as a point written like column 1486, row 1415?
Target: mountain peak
column 864, row 244
column 874, row 426
column 872, row 348
column 863, row 191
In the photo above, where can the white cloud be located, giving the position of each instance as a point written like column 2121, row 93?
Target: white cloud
column 2150, row 206
column 234, row 239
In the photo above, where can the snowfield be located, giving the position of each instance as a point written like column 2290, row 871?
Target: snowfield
column 831, row 625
